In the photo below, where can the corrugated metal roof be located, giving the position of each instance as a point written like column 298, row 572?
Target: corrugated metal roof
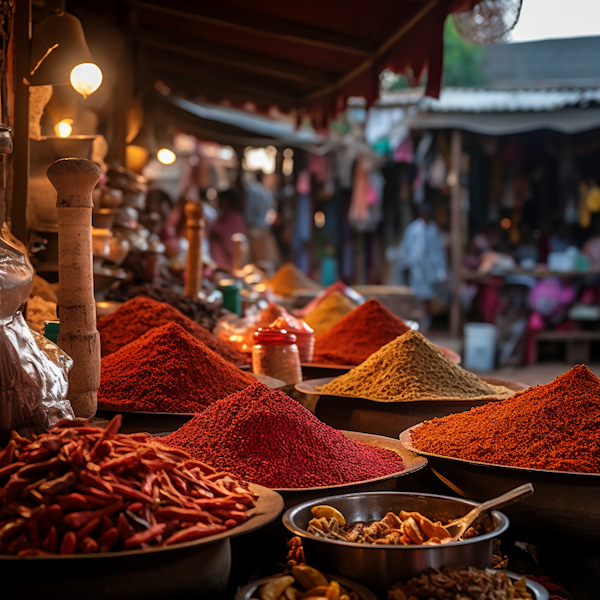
column 467, row 100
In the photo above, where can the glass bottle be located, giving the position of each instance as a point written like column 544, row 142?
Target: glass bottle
column 275, row 354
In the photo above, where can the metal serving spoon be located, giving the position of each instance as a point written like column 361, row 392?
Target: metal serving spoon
column 457, row 527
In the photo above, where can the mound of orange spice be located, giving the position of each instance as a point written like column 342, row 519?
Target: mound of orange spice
column 554, row 426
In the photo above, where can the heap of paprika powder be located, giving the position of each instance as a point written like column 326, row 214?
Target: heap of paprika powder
column 266, row 437
column 358, row 335
column 140, row 314
column 167, row 370
column 554, row 426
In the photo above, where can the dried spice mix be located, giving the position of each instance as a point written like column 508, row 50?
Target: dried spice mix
column 202, row 312
column 137, row 316
column 358, row 335
column 554, row 426
column 167, row 370
column 266, row 437
column 335, row 306
column 410, row 369
column 290, row 278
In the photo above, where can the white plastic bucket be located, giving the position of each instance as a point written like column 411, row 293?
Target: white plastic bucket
column 480, row 346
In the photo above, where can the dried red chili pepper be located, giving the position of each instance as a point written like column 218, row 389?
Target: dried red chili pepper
column 67, row 508
column 144, row 537
column 194, row 533
column 69, row 543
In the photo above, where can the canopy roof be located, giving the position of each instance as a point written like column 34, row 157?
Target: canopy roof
column 311, row 54
column 500, row 112
column 229, row 125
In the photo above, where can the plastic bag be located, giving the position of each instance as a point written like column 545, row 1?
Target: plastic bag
column 33, row 370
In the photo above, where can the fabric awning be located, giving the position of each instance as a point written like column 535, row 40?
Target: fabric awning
column 310, row 54
column 229, row 125
column 570, row 120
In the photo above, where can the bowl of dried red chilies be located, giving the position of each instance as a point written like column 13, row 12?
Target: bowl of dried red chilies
column 158, row 521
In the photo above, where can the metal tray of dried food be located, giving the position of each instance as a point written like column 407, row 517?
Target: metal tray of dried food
column 182, row 570
column 381, row 566
column 394, row 481
column 538, row 591
column 564, row 504
column 375, row 416
column 248, row 592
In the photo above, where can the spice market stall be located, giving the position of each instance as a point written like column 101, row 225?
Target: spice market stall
column 210, row 453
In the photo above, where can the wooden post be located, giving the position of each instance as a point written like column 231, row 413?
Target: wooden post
column 240, row 251
column 18, row 175
column 74, row 180
column 194, row 211
column 456, row 242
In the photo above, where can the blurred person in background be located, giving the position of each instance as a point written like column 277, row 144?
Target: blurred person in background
column 422, row 255
column 229, row 221
column 260, row 214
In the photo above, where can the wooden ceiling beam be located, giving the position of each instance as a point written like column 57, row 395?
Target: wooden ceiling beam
column 200, row 84
column 369, row 62
column 271, row 27
column 223, row 55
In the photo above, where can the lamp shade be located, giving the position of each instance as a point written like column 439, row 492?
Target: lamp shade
column 58, row 44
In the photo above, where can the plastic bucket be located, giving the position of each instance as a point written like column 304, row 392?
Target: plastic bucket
column 480, row 346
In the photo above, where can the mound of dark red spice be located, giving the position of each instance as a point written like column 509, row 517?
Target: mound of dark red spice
column 168, row 370
column 266, row 437
column 137, row 316
column 358, row 335
column 554, row 426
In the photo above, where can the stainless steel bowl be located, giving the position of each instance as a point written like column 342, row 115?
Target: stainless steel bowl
column 248, row 591
column 379, row 567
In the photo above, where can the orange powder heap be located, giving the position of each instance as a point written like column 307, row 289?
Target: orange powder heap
column 358, row 335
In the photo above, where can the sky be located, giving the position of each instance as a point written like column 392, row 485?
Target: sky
column 548, row 19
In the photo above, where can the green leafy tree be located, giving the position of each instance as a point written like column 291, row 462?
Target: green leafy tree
column 462, row 63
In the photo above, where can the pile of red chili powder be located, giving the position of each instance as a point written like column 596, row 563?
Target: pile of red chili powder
column 137, row 316
column 266, row 437
column 358, row 335
column 554, row 426
column 168, row 370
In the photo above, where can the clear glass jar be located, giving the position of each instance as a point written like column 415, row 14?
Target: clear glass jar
column 305, row 335
column 275, row 354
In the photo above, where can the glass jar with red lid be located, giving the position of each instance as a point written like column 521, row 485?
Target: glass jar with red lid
column 275, row 354
column 305, row 335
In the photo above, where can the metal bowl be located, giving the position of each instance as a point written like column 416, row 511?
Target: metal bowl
column 180, row 571
column 386, row 418
column 247, row 592
column 538, row 591
column 564, row 503
column 379, row 567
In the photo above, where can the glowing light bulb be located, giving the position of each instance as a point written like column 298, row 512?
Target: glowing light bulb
column 166, row 156
column 64, row 128
column 86, row 78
